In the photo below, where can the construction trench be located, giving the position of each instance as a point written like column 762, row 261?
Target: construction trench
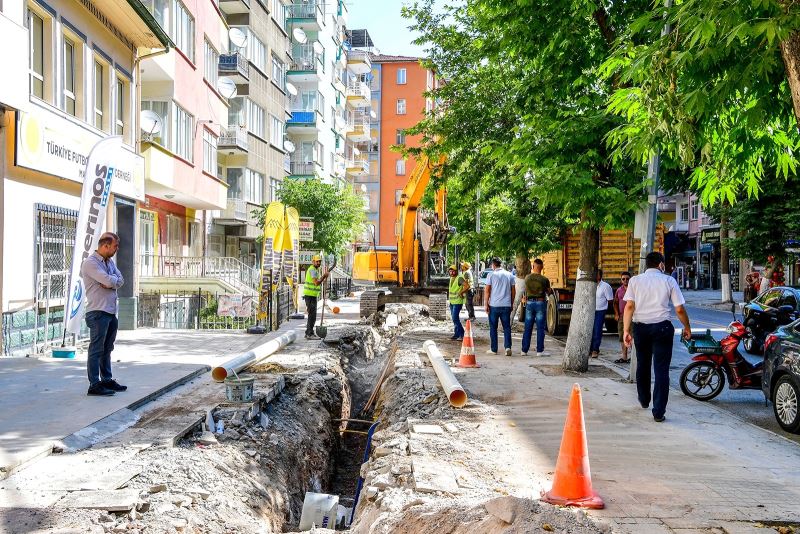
column 430, row 467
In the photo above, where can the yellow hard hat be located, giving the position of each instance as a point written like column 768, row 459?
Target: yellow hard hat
column 316, row 258
column 452, row 268
column 466, row 265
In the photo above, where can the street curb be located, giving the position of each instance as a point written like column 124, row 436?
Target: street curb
column 46, row 450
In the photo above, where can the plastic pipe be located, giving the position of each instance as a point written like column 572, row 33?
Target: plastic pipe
column 252, row 357
column 455, row 393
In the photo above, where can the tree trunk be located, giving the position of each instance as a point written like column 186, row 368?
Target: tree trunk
column 724, row 257
column 523, row 264
column 579, row 337
column 790, row 52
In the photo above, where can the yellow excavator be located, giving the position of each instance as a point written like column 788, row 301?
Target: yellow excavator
column 406, row 268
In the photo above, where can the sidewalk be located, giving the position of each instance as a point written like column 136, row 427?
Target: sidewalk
column 710, row 298
column 44, row 399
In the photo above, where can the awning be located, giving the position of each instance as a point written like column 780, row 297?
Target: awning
column 134, row 21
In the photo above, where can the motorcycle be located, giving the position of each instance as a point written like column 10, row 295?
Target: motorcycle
column 760, row 325
column 715, row 361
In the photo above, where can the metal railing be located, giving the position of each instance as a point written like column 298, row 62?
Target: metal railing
column 301, row 168
column 302, row 116
column 236, row 210
column 358, row 165
column 359, row 56
column 228, row 270
column 310, row 10
column 235, row 136
column 358, row 88
column 234, row 63
column 337, row 288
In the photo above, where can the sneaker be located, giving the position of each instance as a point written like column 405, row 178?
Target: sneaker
column 659, row 418
column 312, row 336
column 493, row 353
column 98, row 390
column 508, row 352
column 543, row 353
column 113, row 385
column 523, row 353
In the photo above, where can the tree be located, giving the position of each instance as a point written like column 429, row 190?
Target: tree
column 524, row 82
column 338, row 214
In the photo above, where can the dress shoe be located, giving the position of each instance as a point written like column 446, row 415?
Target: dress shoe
column 98, row 390
column 113, row 385
column 659, row 418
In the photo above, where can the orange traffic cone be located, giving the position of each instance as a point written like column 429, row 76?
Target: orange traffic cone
column 467, row 357
column 572, row 485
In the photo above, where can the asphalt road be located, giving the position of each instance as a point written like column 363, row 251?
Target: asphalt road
column 747, row 404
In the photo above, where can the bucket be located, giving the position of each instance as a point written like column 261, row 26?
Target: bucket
column 239, row 389
column 64, row 352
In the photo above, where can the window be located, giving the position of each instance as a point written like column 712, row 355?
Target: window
column 256, row 52
column 279, row 13
column 789, row 299
column 55, row 242
column 174, row 236
column 400, row 138
column 209, row 152
column 278, row 72
column 237, row 112
column 159, row 9
column 183, row 29
column 210, row 63
column 182, row 130
column 245, row 184
column 71, row 77
column 101, row 118
column 401, row 106
column 255, row 119
column 400, row 167
column 274, row 184
column 162, row 109
column 121, row 96
column 276, row 131
column 36, row 27
column 684, row 212
column 771, row 298
column 397, row 194
column 319, row 153
column 401, row 76
column 195, row 239
column 695, row 210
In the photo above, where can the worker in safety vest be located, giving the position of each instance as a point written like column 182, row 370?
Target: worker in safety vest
column 456, row 300
column 311, row 292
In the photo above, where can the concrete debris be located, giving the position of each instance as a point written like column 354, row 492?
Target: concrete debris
column 157, row 488
column 503, row 508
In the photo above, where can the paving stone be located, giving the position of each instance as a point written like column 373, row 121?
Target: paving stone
column 112, row 501
column 427, row 429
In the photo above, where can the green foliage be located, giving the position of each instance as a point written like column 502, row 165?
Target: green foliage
column 338, row 214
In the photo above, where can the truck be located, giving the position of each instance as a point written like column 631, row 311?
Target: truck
column 619, row 251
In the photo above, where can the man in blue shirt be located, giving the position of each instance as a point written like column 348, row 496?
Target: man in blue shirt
column 498, row 295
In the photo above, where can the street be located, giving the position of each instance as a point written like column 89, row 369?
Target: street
column 746, row 404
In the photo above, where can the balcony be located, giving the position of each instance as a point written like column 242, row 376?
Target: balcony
column 358, row 94
column 338, row 81
column 235, row 66
column 185, row 273
column 305, row 66
column 235, row 213
column 358, row 166
column 233, row 141
column 358, row 128
column 234, row 7
column 171, row 178
column 302, row 169
column 302, row 121
column 358, row 62
column 307, row 15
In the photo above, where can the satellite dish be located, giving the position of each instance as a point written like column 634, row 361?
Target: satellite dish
column 363, row 188
column 291, row 89
column 238, row 37
column 356, row 152
column 299, row 35
column 288, row 146
column 372, row 114
column 376, row 51
column 150, row 122
column 226, row 87
column 318, row 48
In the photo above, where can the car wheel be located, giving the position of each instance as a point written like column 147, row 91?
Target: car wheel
column 702, row 380
column 784, row 404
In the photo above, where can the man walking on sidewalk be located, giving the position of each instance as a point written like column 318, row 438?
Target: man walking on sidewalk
column 603, row 299
column 619, row 312
column 102, row 279
column 311, row 291
column 498, row 295
column 537, row 287
column 647, row 324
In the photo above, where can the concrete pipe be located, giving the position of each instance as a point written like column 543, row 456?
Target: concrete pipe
column 252, row 357
column 455, row 393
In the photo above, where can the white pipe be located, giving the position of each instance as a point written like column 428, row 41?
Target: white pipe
column 252, row 357
column 455, row 393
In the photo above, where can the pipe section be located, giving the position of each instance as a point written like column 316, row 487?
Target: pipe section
column 455, row 393
column 252, row 357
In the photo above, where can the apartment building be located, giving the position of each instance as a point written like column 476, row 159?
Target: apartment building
column 252, row 155
column 79, row 62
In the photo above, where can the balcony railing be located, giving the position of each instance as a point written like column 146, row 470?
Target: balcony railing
column 234, row 137
column 236, row 210
column 359, row 89
column 301, row 168
column 228, row 270
column 359, row 56
column 304, row 116
column 234, row 64
column 310, row 10
column 359, row 165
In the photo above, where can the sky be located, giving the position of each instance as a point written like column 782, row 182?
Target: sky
column 388, row 29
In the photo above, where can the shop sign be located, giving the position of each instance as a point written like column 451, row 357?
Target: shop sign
column 49, row 143
column 710, row 236
column 306, row 230
column 306, row 255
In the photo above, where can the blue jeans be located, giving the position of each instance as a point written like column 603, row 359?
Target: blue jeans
column 653, row 347
column 534, row 311
column 102, row 334
column 597, row 333
column 458, row 330
column 502, row 314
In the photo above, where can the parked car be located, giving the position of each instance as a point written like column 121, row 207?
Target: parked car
column 482, row 277
column 772, row 308
column 781, row 379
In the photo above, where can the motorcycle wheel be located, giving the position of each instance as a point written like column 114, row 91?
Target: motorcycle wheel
column 702, row 381
column 785, row 404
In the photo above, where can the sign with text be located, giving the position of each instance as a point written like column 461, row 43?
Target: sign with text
column 306, row 230
column 710, row 236
column 306, row 255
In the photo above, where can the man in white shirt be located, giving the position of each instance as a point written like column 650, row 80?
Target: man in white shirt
column 603, row 299
column 499, row 293
column 647, row 323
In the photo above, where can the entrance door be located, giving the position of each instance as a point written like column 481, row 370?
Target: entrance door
column 147, row 242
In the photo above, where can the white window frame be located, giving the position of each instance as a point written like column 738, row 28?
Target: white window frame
column 122, row 104
column 401, row 106
column 684, row 212
column 183, row 29
column 257, row 52
column 209, row 152
column 210, row 63
column 400, row 167
column 256, row 119
column 38, row 73
column 278, row 72
column 163, row 138
column 400, row 137
column 279, row 13
column 102, row 113
column 402, row 76
column 75, row 92
column 276, row 129
column 182, row 126
column 694, row 210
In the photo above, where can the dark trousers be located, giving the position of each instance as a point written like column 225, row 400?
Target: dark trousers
column 311, row 311
column 535, row 311
column 458, row 328
column 653, row 348
column 597, row 331
column 468, row 296
column 500, row 314
column 102, row 334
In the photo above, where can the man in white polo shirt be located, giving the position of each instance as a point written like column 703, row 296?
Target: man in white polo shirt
column 647, row 324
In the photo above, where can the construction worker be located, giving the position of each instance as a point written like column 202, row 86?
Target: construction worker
column 456, row 299
column 311, row 292
column 469, row 289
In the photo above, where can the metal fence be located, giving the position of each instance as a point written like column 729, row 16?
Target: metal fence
column 230, row 270
column 337, row 288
